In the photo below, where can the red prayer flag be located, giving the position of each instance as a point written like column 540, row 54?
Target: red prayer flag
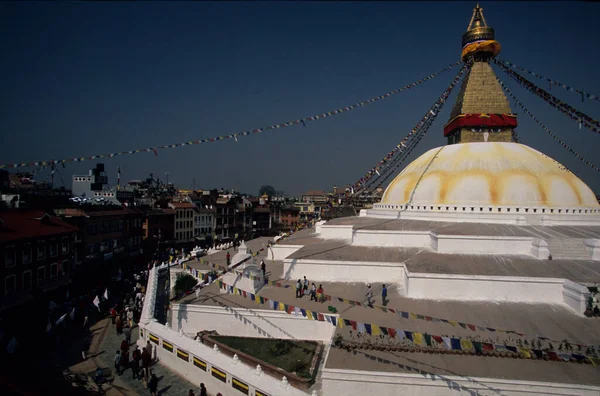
column 472, row 327
column 487, row 346
column 391, row 332
column 320, row 317
column 353, row 323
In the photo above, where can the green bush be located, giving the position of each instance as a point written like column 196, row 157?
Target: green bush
column 282, row 347
column 184, row 283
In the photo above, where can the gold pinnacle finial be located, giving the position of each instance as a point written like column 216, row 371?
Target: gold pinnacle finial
column 479, row 37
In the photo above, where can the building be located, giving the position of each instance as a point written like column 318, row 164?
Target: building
column 184, row 221
column 315, row 196
column 94, row 188
column 36, row 251
column 204, row 220
column 225, row 216
column 107, row 235
column 309, row 210
column 159, row 227
column 485, row 248
column 289, row 218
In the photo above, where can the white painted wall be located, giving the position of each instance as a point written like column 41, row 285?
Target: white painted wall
column 241, row 371
column 244, row 322
column 385, row 238
column 475, row 244
column 344, row 271
column 575, row 295
column 284, row 251
column 360, row 383
column 336, row 232
column 485, row 288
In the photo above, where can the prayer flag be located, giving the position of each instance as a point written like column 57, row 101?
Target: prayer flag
column 72, row 315
column 106, row 294
column 375, row 330
column 60, row 320
column 466, row 344
column 368, row 328
column 418, row 338
column 97, row 303
column 391, row 332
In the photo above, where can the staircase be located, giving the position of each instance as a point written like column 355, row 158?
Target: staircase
column 572, row 249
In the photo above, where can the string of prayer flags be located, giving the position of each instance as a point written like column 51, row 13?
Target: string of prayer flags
column 548, row 131
column 414, row 337
column 576, row 115
column 552, row 82
column 235, row 136
column 400, row 147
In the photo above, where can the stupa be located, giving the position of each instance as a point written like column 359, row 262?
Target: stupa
column 483, row 240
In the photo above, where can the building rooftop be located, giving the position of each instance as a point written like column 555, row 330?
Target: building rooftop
column 182, row 205
column 312, row 193
column 24, row 224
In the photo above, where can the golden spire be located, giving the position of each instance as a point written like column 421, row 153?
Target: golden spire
column 479, row 39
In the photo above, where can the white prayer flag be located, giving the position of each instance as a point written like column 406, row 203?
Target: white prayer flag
column 49, row 327
column 106, row 294
column 97, row 302
column 59, row 321
column 72, row 315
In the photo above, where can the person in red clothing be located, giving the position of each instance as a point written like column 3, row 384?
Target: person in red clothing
column 228, row 259
column 124, row 346
column 113, row 314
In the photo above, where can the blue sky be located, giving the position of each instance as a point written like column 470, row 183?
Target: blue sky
column 84, row 78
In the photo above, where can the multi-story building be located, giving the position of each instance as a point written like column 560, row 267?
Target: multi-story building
column 107, row 234
column 289, row 217
column 94, row 187
column 184, row 221
column 159, row 228
column 315, row 196
column 204, row 218
column 243, row 217
column 309, row 210
column 225, row 215
column 35, row 252
column 262, row 221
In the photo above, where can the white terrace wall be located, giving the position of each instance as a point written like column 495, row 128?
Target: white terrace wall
column 198, row 363
column 283, row 251
column 359, row 383
column 344, row 271
column 244, row 322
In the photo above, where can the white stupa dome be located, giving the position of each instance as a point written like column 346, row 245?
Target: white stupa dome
column 488, row 175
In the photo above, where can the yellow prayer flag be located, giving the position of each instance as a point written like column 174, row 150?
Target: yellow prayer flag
column 340, row 323
column 281, row 306
column 375, row 330
column 418, row 338
column 466, row 345
column 453, row 323
column 309, row 314
column 412, row 315
column 525, row 352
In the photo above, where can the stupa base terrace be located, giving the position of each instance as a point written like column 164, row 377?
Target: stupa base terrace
column 490, row 292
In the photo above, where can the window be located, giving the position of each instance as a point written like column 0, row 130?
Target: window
column 65, row 246
column 64, row 267
column 10, row 284
column 27, row 253
column 41, row 251
column 53, row 271
column 10, row 257
column 27, row 280
column 41, row 274
column 53, row 249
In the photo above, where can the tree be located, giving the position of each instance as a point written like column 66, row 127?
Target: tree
column 269, row 190
column 184, row 283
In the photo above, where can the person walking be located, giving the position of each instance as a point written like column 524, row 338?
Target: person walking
column 369, row 294
column 228, row 257
column 263, row 268
column 384, row 296
column 130, row 317
column 313, row 292
column 320, row 294
column 128, row 335
column 153, row 385
column 118, row 362
column 136, row 356
column 119, row 324
column 298, row 289
column 191, row 393
column 146, row 360
column 124, row 346
column 203, row 391
column 305, row 286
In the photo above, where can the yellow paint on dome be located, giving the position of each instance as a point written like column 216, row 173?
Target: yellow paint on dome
column 485, row 174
